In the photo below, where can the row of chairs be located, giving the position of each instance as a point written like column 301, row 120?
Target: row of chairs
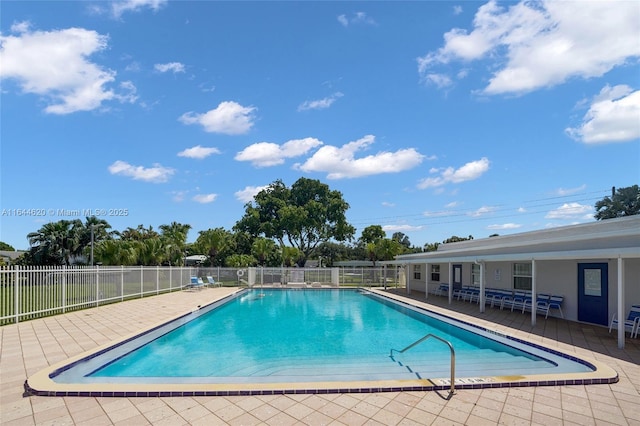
column 544, row 304
column 513, row 300
column 197, row 283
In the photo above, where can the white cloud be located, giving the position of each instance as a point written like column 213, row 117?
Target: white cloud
column 340, row 163
column 120, row 7
column 542, row 44
column 388, row 204
column 205, row 198
column 228, row 117
column 470, row 171
column 174, row 67
column 198, row 152
column 267, row 154
column 571, row 211
column 246, row 195
column 178, row 196
column 505, row 226
column 356, row 18
column 613, row 116
column 457, row 10
column 54, row 64
column 569, row 191
column 401, row 228
column 320, row 103
column 484, row 210
column 439, row 80
column 155, row 174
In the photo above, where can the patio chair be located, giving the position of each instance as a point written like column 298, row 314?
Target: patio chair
column 554, row 302
column 632, row 322
column 541, row 300
column 212, row 282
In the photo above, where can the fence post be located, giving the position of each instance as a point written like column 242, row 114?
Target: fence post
column 141, row 281
column 157, row 279
column 16, row 294
column 121, row 283
column 97, row 285
column 64, row 289
column 170, row 286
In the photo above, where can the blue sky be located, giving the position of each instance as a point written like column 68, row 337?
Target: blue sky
column 432, row 118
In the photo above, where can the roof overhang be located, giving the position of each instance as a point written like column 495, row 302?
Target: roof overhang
column 435, row 257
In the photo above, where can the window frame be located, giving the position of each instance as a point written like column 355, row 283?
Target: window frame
column 435, row 272
column 522, row 276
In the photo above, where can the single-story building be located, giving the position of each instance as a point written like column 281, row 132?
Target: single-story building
column 9, row 256
column 594, row 267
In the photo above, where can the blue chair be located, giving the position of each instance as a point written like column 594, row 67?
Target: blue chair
column 554, row 302
column 212, row 282
column 195, row 284
column 632, row 322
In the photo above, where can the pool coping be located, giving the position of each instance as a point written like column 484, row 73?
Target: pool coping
column 41, row 384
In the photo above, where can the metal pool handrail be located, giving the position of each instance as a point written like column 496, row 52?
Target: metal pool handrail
column 453, row 355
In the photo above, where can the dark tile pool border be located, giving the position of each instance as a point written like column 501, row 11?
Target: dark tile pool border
column 28, row 391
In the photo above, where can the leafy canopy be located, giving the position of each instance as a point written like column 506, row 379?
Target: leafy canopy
column 303, row 216
column 623, row 202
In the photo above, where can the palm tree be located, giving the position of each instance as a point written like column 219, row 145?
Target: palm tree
column 151, row 252
column 290, row 256
column 57, row 243
column 212, row 242
column 175, row 238
column 116, row 252
column 263, row 249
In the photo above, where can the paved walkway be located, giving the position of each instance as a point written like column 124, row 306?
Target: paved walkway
column 33, row 345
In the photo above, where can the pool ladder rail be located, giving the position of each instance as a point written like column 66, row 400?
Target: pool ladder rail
column 453, row 356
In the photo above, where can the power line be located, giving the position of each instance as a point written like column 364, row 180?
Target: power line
column 469, row 214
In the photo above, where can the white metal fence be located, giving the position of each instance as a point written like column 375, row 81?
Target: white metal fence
column 32, row 292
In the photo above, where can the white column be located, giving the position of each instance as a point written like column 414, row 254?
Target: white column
column 426, row 281
column 482, row 301
column 621, row 313
column 449, row 275
column 406, row 278
column 534, row 291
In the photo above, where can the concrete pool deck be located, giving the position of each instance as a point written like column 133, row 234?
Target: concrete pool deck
column 32, row 346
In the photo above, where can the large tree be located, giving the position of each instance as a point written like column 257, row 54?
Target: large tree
column 623, row 202
column 303, row 216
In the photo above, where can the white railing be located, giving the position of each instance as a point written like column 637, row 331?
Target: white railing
column 33, row 292
column 28, row 292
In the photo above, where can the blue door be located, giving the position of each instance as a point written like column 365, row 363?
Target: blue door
column 593, row 293
column 456, row 275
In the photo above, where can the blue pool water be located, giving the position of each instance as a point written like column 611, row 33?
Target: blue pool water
column 312, row 335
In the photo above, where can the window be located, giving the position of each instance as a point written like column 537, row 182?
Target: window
column 435, row 272
column 522, row 276
column 475, row 274
column 416, row 272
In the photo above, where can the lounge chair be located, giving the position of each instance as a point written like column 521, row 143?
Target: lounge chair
column 632, row 322
column 212, row 282
column 193, row 284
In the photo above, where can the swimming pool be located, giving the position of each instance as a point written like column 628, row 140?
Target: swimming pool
column 273, row 340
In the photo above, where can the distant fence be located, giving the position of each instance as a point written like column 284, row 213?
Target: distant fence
column 33, row 292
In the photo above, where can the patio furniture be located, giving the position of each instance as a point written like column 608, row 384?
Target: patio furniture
column 632, row 322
